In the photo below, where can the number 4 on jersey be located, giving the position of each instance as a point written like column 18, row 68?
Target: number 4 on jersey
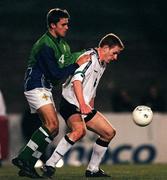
column 61, row 59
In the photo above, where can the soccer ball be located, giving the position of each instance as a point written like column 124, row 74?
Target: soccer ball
column 142, row 115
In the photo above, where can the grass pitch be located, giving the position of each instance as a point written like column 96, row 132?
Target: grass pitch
column 117, row 172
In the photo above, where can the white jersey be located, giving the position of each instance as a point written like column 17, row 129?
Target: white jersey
column 89, row 74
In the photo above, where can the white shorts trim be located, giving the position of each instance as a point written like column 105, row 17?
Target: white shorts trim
column 38, row 97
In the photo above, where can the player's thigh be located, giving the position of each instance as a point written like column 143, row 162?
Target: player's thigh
column 77, row 126
column 48, row 114
column 75, row 122
column 101, row 126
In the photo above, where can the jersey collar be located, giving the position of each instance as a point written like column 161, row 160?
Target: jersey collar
column 56, row 40
column 100, row 62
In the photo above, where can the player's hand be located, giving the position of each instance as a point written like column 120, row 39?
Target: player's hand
column 83, row 59
column 85, row 109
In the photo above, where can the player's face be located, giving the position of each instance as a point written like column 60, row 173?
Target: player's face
column 60, row 28
column 111, row 54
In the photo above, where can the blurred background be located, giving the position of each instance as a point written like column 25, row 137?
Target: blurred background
column 140, row 25
column 138, row 77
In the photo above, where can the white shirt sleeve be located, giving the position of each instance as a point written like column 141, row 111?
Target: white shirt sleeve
column 82, row 71
column 94, row 95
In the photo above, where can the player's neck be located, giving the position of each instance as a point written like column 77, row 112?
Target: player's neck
column 53, row 33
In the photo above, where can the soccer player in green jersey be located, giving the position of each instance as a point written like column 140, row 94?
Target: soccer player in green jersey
column 50, row 60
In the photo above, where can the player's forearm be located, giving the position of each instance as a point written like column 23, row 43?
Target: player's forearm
column 92, row 103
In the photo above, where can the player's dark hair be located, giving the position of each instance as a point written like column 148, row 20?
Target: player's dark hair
column 111, row 40
column 54, row 15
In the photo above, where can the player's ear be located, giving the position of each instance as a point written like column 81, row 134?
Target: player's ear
column 105, row 48
column 53, row 25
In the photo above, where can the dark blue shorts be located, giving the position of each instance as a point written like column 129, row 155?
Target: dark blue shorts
column 66, row 110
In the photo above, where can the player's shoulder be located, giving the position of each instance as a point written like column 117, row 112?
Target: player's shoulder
column 43, row 40
column 90, row 51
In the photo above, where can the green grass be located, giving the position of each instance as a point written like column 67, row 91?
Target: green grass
column 117, row 172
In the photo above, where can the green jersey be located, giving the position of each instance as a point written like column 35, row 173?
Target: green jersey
column 50, row 61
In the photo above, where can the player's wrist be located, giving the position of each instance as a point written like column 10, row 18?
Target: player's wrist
column 82, row 104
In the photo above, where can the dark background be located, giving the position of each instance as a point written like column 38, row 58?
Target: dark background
column 141, row 25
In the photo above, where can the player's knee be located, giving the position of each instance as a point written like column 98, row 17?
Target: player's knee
column 109, row 134
column 53, row 127
column 79, row 134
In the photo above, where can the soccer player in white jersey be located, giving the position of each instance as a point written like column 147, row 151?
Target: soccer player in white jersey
column 77, row 107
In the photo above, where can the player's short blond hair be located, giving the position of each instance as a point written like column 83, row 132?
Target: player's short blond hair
column 111, row 40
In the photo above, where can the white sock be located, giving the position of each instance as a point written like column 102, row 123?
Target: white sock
column 96, row 158
column 62, row 148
